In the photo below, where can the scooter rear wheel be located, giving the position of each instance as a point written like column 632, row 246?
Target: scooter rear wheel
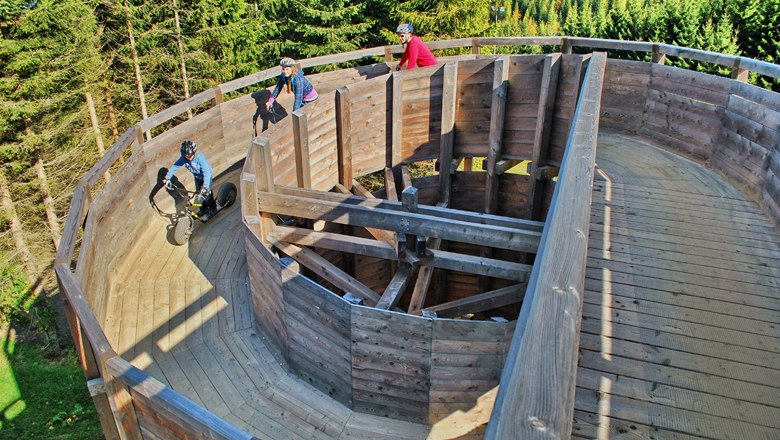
column 183, row 230
column 227, row 194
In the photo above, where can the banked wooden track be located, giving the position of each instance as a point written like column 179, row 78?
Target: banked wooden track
column 679, row 335
column 680, row 318
column 660, row 355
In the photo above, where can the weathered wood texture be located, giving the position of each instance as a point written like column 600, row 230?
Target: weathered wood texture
column 732, row 125
column 318, row 328
column 677, row 308
column 421, row 113
column 537, row 385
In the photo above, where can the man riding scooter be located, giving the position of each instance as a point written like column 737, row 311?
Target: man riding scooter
column 201, row 169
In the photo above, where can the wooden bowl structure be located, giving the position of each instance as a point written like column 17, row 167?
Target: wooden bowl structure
column 320, row 309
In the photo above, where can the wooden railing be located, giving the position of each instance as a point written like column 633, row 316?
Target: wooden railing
column 100, row 362
column 536, row 395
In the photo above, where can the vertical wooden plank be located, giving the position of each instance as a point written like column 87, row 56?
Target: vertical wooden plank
column 475, row 46
column 497, row 107
column 397, row 126
column 343, row 140
column 388, row 54
column 448, row 99
column 300, row 124
column 264, row 178
column 391, row 192
column 739, row 73
column 658, row 57
column 544, row 118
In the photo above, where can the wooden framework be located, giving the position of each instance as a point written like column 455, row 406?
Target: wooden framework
column 126, row 397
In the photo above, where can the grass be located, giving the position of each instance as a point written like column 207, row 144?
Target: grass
column 43, row 398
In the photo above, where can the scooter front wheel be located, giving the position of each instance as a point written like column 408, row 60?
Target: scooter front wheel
column 183, row 230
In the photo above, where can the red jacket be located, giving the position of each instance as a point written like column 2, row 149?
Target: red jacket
column 417, row 54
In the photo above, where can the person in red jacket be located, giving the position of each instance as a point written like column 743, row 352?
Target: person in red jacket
column 417, row 53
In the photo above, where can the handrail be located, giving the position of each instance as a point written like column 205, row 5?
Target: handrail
column 731, row 61
column 536, row 395
column 168, row 400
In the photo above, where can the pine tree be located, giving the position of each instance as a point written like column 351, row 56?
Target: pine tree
column 319, row 27
column 443, row 19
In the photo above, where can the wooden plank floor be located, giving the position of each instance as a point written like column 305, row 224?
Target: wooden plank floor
column 680, row 332
column 183, row 314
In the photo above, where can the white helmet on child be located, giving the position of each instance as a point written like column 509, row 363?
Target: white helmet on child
column 287, row 62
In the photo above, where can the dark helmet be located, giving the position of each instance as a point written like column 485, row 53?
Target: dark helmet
column 286, row 62
column 403, row 28
column 188, row 148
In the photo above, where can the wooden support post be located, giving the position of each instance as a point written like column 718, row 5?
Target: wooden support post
column 739, row 73
column 476, row 48
column 264, row 182
column 300, row 125
column 343, row 136
column 468, row 162
column 658, row 57
column 541, row 146
column 497, row 111
column 448, row 99
column 388, row 54
column 566, row 46
column 406, row 178
column 397, row 125
column 391, row 191
column 409, row 202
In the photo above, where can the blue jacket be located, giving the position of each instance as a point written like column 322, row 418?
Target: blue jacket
column 301, row 87
column 198, row 166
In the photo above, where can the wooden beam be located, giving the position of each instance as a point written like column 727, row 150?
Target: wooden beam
column 327, row 271
column 406, row 178
column 448, row 100
column 401, row 222
column 379, row 234
column 360, row 191
column 437, row 211
column 391, row 190
column 301, row 143
column 334, row 242
column 502, row 166
column 552, row 65
column 397, row 124
column 343, row 139
column 424, row 276
column 395, row 289
column 479, row 303
column 495, row 137
column 264, row 179
column 489, row 267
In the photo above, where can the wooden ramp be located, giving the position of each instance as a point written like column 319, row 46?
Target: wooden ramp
column 681, row 317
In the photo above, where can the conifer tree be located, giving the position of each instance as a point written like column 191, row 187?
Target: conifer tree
column 442, row 19
column 319, row 27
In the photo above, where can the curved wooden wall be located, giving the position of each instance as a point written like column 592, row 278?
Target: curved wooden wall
column 747, row 151
column 733, row 126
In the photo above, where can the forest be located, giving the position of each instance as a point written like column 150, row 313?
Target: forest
column 77, row 73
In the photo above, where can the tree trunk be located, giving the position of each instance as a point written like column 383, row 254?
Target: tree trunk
column 7, row 204
column 112, row 116
column 180, row 44
column 137, row 67
column 48, row 203
column 96, row 128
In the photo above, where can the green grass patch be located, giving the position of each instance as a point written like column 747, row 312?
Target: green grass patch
column 42, row 398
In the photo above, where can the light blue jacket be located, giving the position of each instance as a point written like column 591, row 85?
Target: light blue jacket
column 198, row 166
